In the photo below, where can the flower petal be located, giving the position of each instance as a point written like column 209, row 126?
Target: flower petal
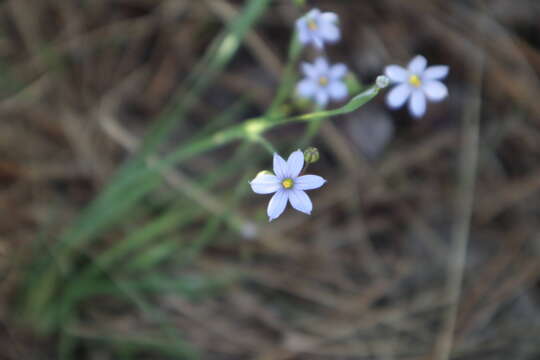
column 417, row 65
column 308, row 182
column 265, row 184
column 280, row 167
column 329, row 32
column 313, row 13
column 307, row 88
column 303, row 31
column 338, row 71
column 310, row 70
column 396, row 73
column 329, row 17
column 337, row 90
column 277, row 204
column 295, row 163
column 321, row 65
column 435, row 90
column 398, row 95
column 417, row 103
column 321, row 98
column 435, row 72
column 300, row 201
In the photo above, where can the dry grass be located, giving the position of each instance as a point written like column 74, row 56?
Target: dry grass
column 364, row 277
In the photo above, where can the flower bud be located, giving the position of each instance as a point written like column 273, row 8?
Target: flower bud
column 382, row 81
column 264, row 172
column 311, row 155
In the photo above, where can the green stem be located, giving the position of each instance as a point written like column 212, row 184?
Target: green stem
column 265, row 144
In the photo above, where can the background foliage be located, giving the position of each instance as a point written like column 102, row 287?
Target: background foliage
column 129, row 130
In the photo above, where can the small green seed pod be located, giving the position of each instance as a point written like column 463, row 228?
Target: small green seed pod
column 311, row 155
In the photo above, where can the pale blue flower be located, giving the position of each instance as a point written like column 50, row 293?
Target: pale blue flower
column 416, row 83
column 323, row 82
column 317, row 28
column 287, row 184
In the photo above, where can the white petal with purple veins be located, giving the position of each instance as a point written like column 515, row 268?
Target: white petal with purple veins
column 308, row 182
column 300, row 201
column 398, row 95
column 277, row 204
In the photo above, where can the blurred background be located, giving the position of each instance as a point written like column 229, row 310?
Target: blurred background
column 104, row 256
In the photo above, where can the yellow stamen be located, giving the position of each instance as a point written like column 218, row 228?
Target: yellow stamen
column 312, row 25
column 323, row 81
column 287, row 183
column 415, row 81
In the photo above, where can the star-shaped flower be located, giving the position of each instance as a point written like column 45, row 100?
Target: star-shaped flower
column 317, row 28
column 416, row 83
column 323, row 82
column 287, row 184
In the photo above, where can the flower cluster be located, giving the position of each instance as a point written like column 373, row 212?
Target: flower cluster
column 324, row 82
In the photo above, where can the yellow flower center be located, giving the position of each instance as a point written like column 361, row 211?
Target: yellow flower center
column 323, row 81
column 287, row 183
column 312, row 25
column 415, row 81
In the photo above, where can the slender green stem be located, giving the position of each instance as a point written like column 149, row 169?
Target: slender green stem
column 265, row 144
